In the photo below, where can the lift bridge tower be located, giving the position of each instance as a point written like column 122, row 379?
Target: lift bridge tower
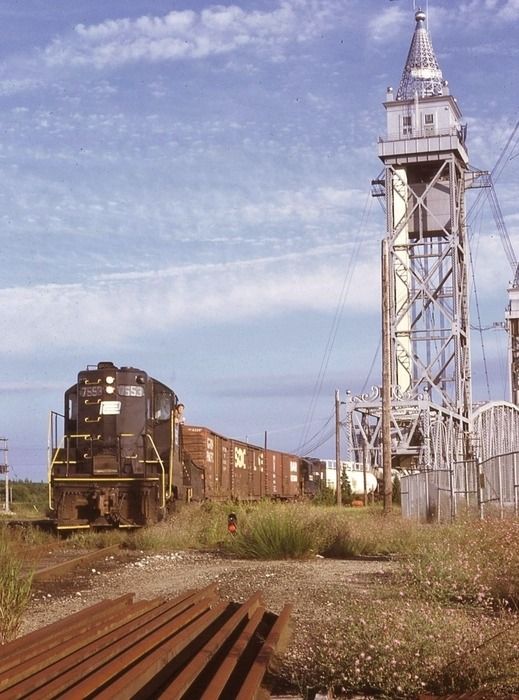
column 426, row 371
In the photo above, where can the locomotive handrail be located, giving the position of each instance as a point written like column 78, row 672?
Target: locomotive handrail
column 158, row 460
column 163, row 490
column 50, row 466
column 53, row 459
column 86, row 436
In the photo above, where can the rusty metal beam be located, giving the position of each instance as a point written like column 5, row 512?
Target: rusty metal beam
column 195, row 645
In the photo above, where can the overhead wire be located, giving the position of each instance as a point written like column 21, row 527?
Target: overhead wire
column 375, row 357
column 318, row 385
column 318, row 439
column 488, row 193
column 480, row 330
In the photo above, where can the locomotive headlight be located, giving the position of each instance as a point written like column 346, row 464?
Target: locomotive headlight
column 110, row 380
column 110, row 389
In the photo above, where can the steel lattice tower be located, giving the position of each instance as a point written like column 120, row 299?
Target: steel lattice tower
column 426, row 172
column 426, row 163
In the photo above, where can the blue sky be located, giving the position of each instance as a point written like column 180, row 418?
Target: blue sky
column 185, row 187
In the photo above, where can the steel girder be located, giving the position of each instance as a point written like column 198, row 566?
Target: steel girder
column 424, row 435
column 495, row 427
column 428, row 285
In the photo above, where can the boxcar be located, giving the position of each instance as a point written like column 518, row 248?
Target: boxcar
column 239, row 470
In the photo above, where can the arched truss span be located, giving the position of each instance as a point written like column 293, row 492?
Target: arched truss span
column 495, row 427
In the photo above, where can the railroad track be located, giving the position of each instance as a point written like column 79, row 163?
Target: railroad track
column 45, row 524
column 56, row 570
column 195, row 646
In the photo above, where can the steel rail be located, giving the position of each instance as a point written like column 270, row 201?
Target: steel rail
column 55, row 570
column 193, row 646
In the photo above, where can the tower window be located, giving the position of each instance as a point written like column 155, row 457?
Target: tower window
column 429, row 119
column 407, row 125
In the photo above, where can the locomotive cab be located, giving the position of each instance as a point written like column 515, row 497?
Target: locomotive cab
column 119, row 455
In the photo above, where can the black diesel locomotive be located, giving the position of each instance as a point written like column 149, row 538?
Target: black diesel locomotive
column 124, row 457
column 118, row 462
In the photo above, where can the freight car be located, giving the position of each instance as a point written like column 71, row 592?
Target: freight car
column 239, row 470
column 123, row 456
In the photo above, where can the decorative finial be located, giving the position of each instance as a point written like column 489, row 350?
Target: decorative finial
column 422, row 75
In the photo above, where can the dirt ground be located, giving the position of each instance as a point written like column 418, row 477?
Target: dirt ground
column 314, row 587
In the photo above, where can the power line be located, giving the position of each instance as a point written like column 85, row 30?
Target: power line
column 335, row 325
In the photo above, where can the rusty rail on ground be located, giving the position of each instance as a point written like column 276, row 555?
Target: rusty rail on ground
column 476, row 695
column 63, row 567
column 194, row 646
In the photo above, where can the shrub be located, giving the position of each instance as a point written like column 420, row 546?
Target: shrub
column 29, row 499
column 15, row 589
column 275, row 531
column 325, row 496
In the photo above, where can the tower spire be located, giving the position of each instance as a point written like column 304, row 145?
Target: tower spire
column 422, row 74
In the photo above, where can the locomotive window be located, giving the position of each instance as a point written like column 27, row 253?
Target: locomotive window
column 162, row 408
column 72, row 407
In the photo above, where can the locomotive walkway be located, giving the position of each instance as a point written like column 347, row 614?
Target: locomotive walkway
column 194, row 646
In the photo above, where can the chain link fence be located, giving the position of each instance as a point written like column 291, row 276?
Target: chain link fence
column 491, row 486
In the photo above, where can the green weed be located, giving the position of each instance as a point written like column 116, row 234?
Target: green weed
column 393, row 646
column 276, row 531
column 15, row 589
column 469, row 561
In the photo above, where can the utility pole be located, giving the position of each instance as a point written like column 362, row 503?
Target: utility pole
column 4, row 469
column 265, row 446
column 338, row 447
column 386, row 381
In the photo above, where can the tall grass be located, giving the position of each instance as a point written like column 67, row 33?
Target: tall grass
column 15, row 589
column 277, row 531
column 196, row 526
column 367, row 532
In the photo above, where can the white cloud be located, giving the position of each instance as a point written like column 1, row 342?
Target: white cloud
column 183, row 34
column 13, row 85
column 30, row 385
column 120, row 307
column 324, row 203
column 510, row 10
column 388, row 22
column 479, row 13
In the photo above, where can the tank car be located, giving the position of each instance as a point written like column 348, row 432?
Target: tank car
column 324, row 471
column 118, row 460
